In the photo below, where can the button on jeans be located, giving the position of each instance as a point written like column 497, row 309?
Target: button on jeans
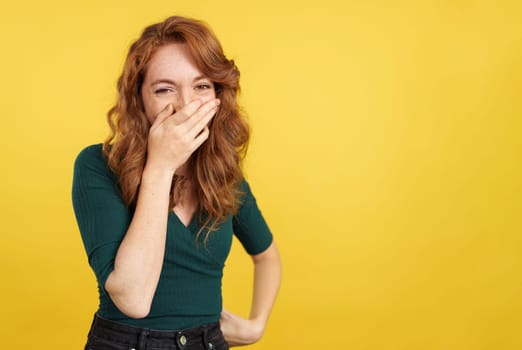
column 110, row 335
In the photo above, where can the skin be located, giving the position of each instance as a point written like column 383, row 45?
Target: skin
column 179, row 102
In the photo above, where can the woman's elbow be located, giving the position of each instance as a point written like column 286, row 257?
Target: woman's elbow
column 136, row 313
column 133, row 307
column 131, row 304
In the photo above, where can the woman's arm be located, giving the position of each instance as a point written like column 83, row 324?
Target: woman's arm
column 132, row 283
column 137, row 266
column 267, row 278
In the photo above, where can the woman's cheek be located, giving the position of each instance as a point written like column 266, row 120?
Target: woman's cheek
column 208, row 95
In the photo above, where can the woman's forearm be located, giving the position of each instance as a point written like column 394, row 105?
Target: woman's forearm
column 132, row 283
column 267, row 278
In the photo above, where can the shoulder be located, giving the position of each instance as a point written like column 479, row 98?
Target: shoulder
column 91, row 158
column 90, row 153
column 244, row 186
column 245, row 191
column 246, row 196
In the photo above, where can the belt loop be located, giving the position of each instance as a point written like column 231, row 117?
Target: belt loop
column 142, row 340
column 208, row 345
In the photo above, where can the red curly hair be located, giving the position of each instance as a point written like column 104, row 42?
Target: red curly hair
column 215, row 167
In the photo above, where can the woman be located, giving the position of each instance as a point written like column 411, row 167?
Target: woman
column 158, row 202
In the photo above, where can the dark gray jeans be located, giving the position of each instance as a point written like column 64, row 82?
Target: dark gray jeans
column 110, row 335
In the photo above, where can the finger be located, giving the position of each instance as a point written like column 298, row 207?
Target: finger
column 207, row 107
column 164, row 114
column 225, row 312
column 202, row 122
column 198, row 141
column 201, row 125
column 188, row 110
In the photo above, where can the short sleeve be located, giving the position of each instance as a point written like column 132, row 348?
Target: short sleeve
column 249, row 224
column 101, row 214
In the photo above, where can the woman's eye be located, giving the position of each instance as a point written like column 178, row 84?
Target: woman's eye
column 204, row 86
column 163, row 90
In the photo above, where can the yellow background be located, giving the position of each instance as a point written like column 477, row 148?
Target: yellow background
column 386, row 156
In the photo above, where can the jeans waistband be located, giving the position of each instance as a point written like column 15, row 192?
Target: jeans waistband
column 142, row 337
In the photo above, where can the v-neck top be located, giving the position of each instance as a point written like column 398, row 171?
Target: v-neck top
column 189, row 288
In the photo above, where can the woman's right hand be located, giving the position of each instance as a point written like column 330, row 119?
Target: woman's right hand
column 174, row 137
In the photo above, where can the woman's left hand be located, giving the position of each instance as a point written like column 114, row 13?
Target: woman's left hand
column 238, row 330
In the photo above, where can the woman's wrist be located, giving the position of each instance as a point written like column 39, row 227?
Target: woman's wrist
column 152, row 174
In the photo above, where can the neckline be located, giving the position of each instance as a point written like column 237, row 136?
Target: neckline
column 188, row 224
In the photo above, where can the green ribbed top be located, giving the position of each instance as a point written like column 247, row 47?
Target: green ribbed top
column 189, row 289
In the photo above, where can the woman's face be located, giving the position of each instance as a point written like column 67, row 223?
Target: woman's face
column 172, row 77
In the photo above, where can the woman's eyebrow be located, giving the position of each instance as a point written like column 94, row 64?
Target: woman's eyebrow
column 168, row 81
column 200, row 77
column 163, row 81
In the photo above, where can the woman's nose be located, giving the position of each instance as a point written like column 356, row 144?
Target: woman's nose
column 183, row 98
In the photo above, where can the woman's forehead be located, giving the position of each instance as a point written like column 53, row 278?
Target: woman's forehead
column 172, row 61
